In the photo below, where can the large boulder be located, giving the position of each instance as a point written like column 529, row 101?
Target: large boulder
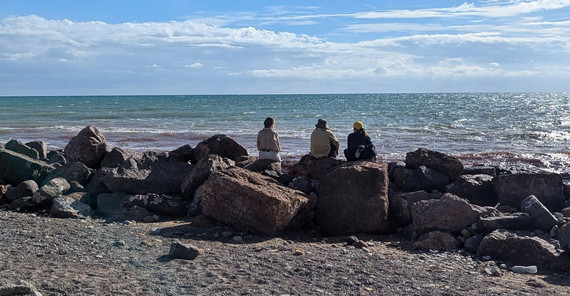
column 73, row 171
column 148, row 172
column 67, row 207
column 449, row 213
column 116, row 157
column 353, row 198
column 522, row 250
column 438, row 161
column 421, row 178
column 200, row 173
column 547, row 187
column 515, row 221
column 250, row 201
column 22, row 148
column 477, row 189
column 16, row 168
column 88, row 147
column 221, row 145
column 401, row 206
column 55, row 188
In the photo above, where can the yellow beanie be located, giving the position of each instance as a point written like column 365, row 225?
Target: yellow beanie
column 358, row 125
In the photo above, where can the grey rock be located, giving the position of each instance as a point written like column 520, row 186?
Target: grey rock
column 26, row 188
column 541, row 216
column 184, row 251
column 39, row 146
column 201, row 171
column 515, row 221
column 478, row 189
column 22, row 148
column 16, row 168
column 67, row 207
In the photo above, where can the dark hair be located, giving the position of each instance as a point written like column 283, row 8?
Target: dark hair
column 269, row 122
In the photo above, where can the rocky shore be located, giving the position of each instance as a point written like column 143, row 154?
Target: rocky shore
column 212, row 220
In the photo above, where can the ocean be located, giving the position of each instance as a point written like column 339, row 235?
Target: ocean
column 526, row 130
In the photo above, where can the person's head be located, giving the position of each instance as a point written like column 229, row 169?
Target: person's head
column 358, row 126
column 269, row 122
column 321, row 124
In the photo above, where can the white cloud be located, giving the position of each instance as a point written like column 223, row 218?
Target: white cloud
column 194, row 65
column 513, row 8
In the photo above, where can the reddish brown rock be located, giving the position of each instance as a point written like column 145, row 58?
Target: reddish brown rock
column 449, row 213
column 250, row 201
column 547, row 187
column 353, row 198
column 478, row 189
column 437, row 240
column 522, row 250
column 88, row 147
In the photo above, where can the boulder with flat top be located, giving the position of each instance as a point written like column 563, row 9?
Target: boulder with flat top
column 353, row 198
column 16, row 168
column 438, row 161
column 548, row 188
column 200, row 172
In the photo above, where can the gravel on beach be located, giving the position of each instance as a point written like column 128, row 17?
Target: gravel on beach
column 93, row 257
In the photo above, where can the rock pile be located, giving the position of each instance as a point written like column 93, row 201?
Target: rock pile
column 521, row 218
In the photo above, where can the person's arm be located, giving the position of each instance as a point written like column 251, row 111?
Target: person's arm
column 277, row 142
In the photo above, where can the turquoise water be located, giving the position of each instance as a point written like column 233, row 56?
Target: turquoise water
column 481, row 128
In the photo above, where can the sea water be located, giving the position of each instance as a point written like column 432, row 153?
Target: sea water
column 528, row 129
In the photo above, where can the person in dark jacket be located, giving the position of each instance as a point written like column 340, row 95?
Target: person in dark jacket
column 360, row 146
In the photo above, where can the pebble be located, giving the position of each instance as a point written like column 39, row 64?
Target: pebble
column 237, row 238
column 524, row 269
column 299, row 252
column 486, row 258
column 360, row 244
column 227, row 234
column 503, row 266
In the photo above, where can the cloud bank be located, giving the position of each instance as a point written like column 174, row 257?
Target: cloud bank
column 505, row 46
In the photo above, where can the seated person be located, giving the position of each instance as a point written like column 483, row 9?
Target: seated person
column 323, row 141
column 360, row 146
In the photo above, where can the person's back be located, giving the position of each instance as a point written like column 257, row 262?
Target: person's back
column 360, row 146
column 268, row 141
column 323, row 141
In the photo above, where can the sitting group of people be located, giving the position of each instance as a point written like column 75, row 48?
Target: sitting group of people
column 323, row 142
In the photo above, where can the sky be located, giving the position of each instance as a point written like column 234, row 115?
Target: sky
column 144, row 47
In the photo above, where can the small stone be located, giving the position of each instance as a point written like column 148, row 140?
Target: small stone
column 184, row 251
column 351, row 240
column 146, row 243
column 237, row 238
column 227, row 234
column 119, row 243
column 486, row 258
column 495, row 271
column 299, row 252
column 503, row 266
column 524, row 269
column 367, row 289
column 360, row 244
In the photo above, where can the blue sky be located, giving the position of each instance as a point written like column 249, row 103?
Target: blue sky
column 115, row 47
